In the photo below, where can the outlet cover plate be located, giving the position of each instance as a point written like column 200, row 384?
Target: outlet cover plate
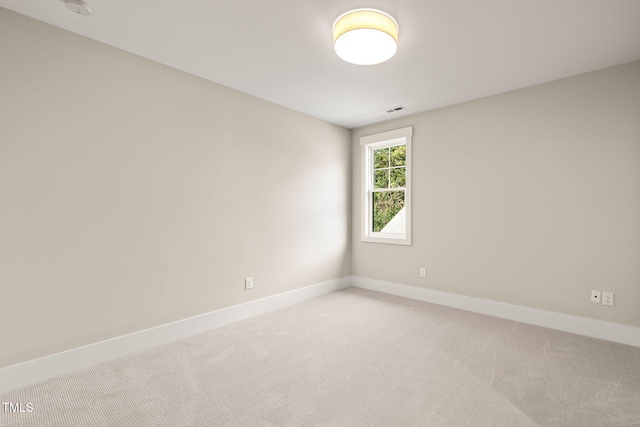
column 595, row 296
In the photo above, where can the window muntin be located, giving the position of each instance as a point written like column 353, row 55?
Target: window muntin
column 386, row 216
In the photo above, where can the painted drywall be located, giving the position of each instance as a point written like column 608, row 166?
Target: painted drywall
column 132, row 194
column 530, row 197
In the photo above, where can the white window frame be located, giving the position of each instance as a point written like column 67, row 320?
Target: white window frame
column 368, row 144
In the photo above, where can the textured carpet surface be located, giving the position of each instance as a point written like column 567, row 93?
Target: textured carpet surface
column 352, row 358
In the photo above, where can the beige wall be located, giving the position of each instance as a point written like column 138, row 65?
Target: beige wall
column 132, row 194
column 530, row 197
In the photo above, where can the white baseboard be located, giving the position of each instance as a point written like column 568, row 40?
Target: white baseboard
column 33, row 371
column 564, row 322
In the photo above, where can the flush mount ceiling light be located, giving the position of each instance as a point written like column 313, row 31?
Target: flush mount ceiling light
column 365, row 36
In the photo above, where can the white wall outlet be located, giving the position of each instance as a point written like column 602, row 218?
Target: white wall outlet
column 595, row 296
column 248, row 283
column 607, row 298
column 423, row 272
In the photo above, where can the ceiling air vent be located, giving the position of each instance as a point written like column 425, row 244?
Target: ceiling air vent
column 79, row 6
column 396, row 109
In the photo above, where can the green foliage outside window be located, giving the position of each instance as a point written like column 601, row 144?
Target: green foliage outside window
column 389, row 172
column 386, row 205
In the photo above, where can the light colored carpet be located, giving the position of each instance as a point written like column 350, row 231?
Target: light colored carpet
column 353, row 358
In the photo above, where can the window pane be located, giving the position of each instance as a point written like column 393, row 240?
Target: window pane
column 399, row 155
column 381, row 158
column 388, row 212
column 398, row 177
column 381, row 178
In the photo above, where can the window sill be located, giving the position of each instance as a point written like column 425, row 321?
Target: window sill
column 390, row 240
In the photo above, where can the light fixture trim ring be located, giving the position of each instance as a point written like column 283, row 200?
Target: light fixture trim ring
column 366, row 9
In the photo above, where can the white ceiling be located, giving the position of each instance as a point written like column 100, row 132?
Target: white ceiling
column 450, row 51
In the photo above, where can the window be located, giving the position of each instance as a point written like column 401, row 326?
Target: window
column 386, row 187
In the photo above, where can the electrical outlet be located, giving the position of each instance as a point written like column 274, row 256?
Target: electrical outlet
column 607, row 298
column 248, row 283
column 423, row 272
column 595, row 296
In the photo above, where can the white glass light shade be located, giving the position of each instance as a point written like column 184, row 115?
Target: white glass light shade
column 365, row 36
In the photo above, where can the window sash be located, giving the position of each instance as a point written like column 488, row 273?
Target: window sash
column 382, row 190
column 371, row 226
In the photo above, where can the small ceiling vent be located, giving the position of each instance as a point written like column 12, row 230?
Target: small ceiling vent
column 396, row 109
column 80, row 7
